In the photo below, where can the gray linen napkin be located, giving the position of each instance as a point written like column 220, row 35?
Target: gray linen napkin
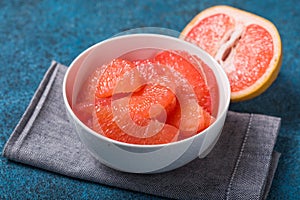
column 241, row 165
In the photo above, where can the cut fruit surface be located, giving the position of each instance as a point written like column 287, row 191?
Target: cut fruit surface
column 247, row 46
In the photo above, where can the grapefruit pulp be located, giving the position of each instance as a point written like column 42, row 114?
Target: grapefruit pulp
column 140, row 101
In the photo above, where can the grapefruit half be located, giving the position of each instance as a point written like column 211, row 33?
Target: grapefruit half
column 247, row 46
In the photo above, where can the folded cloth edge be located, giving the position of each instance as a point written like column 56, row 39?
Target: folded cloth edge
column 270, row 166
column 272, row 169
column 36, row 99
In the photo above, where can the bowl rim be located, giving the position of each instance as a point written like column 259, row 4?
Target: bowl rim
column 189, row 139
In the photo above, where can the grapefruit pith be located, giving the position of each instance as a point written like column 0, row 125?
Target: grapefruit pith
column 247, row 46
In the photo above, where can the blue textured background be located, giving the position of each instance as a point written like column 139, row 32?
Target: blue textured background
column 35, row 32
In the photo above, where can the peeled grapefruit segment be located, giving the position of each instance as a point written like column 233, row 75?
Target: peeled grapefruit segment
column 112, row 73
column 149, row 102
column 185, row 121
column 247, row 46
column 106, row 123
column 183, row 63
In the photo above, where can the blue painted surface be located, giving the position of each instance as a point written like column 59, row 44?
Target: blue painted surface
column 36, row 32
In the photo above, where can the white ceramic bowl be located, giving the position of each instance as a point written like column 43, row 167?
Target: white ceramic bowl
column 143, row 158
